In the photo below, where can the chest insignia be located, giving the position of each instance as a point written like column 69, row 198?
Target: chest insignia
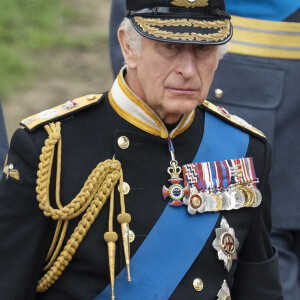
column 226, row 244
column 224, row 292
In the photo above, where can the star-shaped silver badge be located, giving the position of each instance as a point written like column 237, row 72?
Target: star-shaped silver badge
column 224, row 292
column 226, row 244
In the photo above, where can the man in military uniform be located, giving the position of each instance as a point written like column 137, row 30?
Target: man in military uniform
column 258, row 80
column 101, row 164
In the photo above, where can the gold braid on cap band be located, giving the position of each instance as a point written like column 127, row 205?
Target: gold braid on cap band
column 90, row 200
column 190, row 4
column 148, row 25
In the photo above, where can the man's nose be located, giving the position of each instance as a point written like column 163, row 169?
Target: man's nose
column 186, row 63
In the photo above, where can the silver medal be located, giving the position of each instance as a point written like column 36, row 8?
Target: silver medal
column 201, row 209
column 195, row 202
column 239, row 197
column 258, row 196
column 225, row 200
column 210, row 202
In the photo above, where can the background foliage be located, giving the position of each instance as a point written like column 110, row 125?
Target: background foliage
column 50, row 51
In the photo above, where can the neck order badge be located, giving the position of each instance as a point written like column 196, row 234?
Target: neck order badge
column 150, row 270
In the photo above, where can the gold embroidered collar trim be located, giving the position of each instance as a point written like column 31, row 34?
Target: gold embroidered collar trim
column 138, row 113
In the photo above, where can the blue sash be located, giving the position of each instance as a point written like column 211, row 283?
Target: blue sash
column 177, row 238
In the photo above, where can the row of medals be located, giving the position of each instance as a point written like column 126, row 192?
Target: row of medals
column 234, row 197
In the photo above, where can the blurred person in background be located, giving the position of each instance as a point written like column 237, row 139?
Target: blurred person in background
column 59, row 237
column 118, row 8
column 259, row 80
column 3, row 140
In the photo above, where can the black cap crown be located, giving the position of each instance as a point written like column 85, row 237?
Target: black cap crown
column 181, row 21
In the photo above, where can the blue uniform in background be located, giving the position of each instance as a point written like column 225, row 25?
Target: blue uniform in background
column 117, row 14
column 3, row 141
column 259, row 80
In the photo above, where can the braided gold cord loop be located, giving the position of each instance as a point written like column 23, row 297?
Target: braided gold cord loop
column 90, row 200
column 79, row 204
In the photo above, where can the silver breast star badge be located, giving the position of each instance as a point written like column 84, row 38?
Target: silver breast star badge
column 226, row 244
column 224, row 292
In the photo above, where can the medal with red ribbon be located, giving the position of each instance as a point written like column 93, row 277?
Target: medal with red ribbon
column 176, row 191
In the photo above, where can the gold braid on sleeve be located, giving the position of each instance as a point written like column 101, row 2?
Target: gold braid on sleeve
column 90, row 200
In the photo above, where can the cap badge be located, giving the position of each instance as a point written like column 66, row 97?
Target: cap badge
column 226, row 244
column 190, row 3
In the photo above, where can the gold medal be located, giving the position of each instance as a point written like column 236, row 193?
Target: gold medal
column 246, row 194
column 219, row 202
column 252, row 197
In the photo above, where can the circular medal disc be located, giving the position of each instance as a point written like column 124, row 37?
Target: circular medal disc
column 238, row 197
column 231, row 200
column 195, row 201
column 246, row 195
column 201, row 209
column 252, row 197
column 258, row 197
column 176, row 192
column 225, row 200
column 219, row 202
column 210, row 203
column 227, row 243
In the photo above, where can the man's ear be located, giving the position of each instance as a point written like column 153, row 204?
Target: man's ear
column 128, row 54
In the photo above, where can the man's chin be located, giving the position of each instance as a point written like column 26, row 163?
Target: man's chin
column 182, row 106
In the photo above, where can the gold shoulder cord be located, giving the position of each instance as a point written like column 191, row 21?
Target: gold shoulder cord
column 90, row 200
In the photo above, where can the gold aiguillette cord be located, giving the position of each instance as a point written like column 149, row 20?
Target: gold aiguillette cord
column 111, row 237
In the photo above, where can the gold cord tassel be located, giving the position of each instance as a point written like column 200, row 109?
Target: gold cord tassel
column 124, row 219
column 111, row 237
column 89, row 202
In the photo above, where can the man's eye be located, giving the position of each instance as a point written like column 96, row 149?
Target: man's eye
column 202, row 47
column 170, row 46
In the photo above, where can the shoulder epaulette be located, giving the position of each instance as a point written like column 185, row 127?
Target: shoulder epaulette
column 33, row 122
column 232, row 119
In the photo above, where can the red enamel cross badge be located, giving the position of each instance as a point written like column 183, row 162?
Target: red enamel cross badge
column 176, row 191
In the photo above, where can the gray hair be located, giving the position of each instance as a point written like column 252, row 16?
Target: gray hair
column 134, row 39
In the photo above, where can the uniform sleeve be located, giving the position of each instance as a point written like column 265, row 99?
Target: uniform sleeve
column 25, row 232
column 257, row 274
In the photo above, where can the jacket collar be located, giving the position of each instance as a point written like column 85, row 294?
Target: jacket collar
column 138, row 113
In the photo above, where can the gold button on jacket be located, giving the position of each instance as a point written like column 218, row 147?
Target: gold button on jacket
column 123, row 142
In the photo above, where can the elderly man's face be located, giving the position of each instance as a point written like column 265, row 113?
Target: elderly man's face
column 172, row 78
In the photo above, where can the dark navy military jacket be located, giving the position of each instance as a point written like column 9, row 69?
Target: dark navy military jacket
column 89, row 136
